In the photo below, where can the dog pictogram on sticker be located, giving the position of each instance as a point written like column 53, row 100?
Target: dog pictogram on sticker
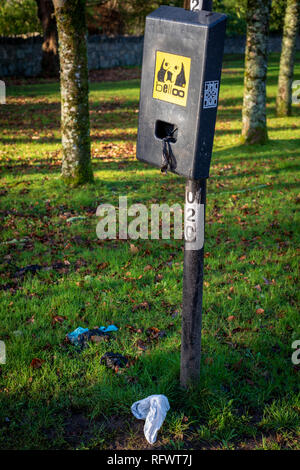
column 171, row 80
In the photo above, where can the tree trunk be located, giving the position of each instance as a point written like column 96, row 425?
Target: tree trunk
column 254, row 129
column 75, row 122
column 291, row 23
column 50, row 62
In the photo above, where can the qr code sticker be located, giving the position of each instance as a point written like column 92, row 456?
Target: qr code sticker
column 211, row 94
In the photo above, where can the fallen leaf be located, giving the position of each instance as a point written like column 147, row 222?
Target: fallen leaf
column 142, row 305
column 155, row 333
column 134, row 250
column 132, row 329
column 57, row 319
column 36, row 363
column 102, row 265
column 141, row 345
column 231, row 318
column 30, row 320
column 260, row 311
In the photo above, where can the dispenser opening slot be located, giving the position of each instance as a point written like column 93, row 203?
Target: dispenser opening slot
column 165, row 129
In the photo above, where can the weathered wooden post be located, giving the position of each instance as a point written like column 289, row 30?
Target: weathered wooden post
column 181, row 72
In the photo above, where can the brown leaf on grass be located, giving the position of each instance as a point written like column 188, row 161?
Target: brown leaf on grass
column 158, row 277
column 141, row 345
column 142, row 305
column 231, row 318
column 134, row 250
column 36, row 363
column 102, row 266
column 132, row 329
column 57, row 319
column 152, row 331
column 258, row 288
column 260, row 311
column 148, row 268
column 155, row 333
column 30, row 319
column 268, row 282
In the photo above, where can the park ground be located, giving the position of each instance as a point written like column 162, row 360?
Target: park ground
column 53, row 396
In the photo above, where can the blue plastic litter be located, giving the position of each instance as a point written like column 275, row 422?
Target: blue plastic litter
column 108, row 328
column 73, row 337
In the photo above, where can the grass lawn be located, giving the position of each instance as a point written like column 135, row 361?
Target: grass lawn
column 248, row 397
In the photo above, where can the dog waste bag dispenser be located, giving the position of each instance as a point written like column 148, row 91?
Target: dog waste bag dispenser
column 181, row 72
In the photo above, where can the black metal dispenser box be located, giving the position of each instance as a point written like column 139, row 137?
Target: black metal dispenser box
column 181, row 72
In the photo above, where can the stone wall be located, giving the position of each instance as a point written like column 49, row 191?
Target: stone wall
column 106, row 52
column 22, row 57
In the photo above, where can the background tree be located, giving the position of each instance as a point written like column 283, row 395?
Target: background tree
column 254, row 128
column 127, row 16
column 18, row 17
column 75, row 122
column 291, row 25
column 50, row 61
column 105, row 17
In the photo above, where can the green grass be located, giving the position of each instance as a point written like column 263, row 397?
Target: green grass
column 248, row 396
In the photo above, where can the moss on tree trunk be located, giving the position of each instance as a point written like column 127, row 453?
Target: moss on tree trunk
column 75, row 122
column 290, row 29
column 254, row 129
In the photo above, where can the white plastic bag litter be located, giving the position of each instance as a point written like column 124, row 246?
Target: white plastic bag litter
column 154, row 410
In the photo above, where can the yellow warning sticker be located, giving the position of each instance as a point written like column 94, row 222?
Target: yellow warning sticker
column 171, row 81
